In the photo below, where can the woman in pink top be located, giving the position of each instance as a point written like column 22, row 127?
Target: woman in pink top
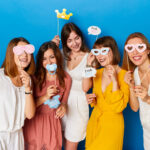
column 52, row 85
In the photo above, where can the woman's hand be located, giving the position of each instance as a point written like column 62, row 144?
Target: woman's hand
column 56, row 39
column 61, row 110
column 111, row 72
column 141, row 92
column 26, row 79
column 148, row 101
column 128, row 78
column 51, row 91
column 91, row 98
column 90, row 59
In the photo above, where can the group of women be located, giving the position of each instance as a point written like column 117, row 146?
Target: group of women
column 45, row 106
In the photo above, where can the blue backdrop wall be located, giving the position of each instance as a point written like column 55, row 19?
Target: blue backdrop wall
column 36, row 21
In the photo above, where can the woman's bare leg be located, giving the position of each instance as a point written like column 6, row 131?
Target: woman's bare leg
column 71, row 145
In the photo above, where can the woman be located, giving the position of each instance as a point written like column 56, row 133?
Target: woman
column 44, row 130
column 137, row 58
column 75, row 53
column 16, row 100
column 105, row 128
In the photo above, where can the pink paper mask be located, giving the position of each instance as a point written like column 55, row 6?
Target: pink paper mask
column 139, row 47
column 18, row 50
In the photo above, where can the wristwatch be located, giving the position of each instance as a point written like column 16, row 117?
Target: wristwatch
column 30, row 92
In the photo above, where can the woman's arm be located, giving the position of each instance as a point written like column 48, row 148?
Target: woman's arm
column 51, row 91
column 61, row 110
column 41, row 100
column 29, row 104
column 56, row 39
column 68, row 82
column 87, row 83
column 29, row 100
column 118, row 99
column 133, row 100
column 112, row 74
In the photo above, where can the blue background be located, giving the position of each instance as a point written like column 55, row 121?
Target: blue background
column 36, row 21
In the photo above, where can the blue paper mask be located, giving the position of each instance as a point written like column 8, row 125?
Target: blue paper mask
column 54, row 102
column 51, row 68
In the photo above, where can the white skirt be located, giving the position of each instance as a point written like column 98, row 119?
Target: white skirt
column 75, row 121
column 12, row 140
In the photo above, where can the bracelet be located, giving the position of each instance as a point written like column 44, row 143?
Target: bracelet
column 30, row 92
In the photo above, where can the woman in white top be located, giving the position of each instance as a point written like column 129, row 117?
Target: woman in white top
column 16, row 100
column 75, row 54
column 137, row 58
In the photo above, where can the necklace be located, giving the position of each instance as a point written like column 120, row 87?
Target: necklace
column 145, row 73
column 75, row 57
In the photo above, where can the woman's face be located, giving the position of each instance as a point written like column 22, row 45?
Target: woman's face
column 74, row 42
column 49, row 58
column 107, row 59
column 23, row 60
column 137, row 58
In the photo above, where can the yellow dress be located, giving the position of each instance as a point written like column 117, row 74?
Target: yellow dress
column 105, row 128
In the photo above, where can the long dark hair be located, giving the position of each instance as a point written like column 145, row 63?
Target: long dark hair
column 40, row 72
column 67, row 29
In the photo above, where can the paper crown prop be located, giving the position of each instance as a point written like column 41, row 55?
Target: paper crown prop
column 63, row 15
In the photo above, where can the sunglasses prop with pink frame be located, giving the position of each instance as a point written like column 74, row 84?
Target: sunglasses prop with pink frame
column 18, row 50
column 102, row 51
column 139, row 47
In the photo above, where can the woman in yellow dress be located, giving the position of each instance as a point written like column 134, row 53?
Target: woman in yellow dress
column 110, row 96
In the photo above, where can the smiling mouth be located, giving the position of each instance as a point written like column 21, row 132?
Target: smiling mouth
column 102, row 60
column 76, row 47
column 137, row 58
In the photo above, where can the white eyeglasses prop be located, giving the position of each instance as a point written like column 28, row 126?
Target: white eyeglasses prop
column 139, row 47
column 102, row 51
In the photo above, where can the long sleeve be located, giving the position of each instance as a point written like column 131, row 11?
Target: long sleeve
column 68, row 82
column 118, row 99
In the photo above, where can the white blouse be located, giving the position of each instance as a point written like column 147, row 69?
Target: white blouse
column 144, row 113
column 12, row 104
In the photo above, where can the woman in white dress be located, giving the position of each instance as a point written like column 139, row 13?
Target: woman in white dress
column 75, row 54
column 137, row 57
column 16, row 100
